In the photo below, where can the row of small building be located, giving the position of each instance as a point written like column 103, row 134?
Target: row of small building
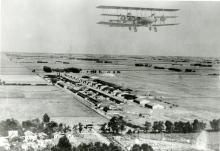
column 96, row 90
column 90, row 90
column 93, row 71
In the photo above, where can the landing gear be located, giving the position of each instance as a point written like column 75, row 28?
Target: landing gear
column 134, row 24
column 150, row 28
column 129, row 28
column 135, row 29
column 155, row 29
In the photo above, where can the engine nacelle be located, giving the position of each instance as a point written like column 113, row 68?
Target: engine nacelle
column 123, row 18
column 163, row 18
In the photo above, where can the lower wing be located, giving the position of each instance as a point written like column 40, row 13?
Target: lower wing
column 118, row 24
column 165, row 24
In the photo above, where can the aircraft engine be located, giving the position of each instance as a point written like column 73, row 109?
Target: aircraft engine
column 163, row 18
column 129, row 17
column 123, row 18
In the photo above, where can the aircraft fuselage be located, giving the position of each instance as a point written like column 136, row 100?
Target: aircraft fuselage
column 146, row 20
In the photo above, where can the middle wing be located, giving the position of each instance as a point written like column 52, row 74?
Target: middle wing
column 118, row 24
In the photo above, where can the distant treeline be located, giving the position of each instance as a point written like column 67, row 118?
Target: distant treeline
column 182, row 127
column 201, row 65
column 96, row 60
column 41, row 61
column 174, row 69
column 143, row 64
column 159, row 67
column 70, row 69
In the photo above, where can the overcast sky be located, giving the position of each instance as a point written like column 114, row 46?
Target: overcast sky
column 69, row 26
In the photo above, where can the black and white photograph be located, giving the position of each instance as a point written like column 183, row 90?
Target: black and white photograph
column 110, row 75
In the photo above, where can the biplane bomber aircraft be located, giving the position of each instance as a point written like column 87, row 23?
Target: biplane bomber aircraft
column 144, row 17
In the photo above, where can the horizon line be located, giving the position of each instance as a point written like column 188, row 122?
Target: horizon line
column 109, row 54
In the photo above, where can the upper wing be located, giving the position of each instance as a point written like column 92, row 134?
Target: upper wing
column 135, row 8
column 165, row 24
column 117, row 24
column 118, row 15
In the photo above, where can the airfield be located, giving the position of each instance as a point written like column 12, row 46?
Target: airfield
column 196, row 94
column 32, row 101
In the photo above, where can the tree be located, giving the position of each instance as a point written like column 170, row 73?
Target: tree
column 147, row 126
column 46, row 118
column 112, row 124
column 105, row 109
column 112, row 147
column 50, row 127
column 66, row 129
column 215, row 124
column 64, row 142
column 158, row 126
column 98, row 146
column 82, row 147
column 80, row 127
column 129, row 132
column 198, row 126
column 121, row 123
column 146, row 147
column 187, row 128
column 195, row 125
column 47, row 69
column 33, row 125
column 63, row 145
column 136, row 147
column 9, row 124
column 116, row 124
column 60, row 127
column 178, row 126
column 169, row 126
column 53, row 80
column 103, row 128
